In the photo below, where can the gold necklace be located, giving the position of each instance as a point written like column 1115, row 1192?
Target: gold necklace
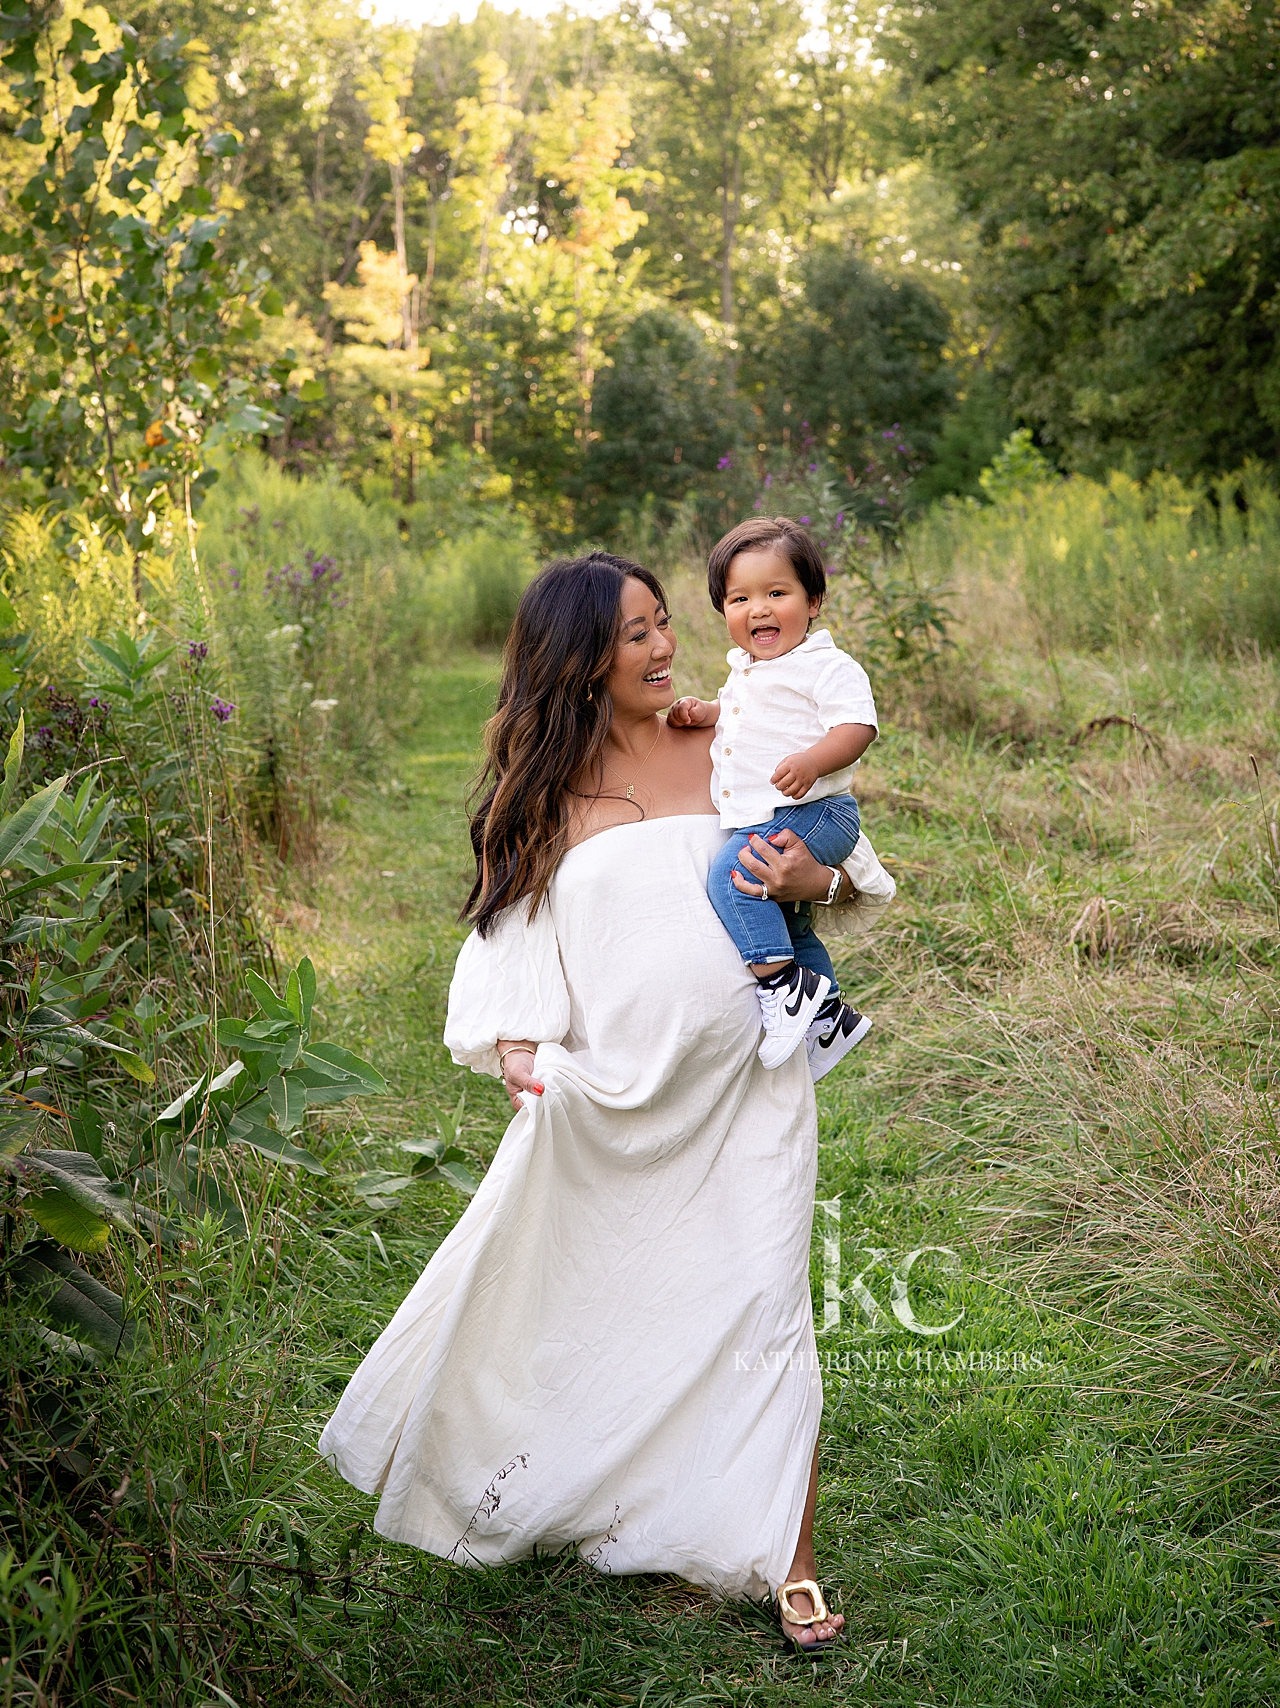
column 631, row 787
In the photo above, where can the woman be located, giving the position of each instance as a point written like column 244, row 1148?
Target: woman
column 614, row 1348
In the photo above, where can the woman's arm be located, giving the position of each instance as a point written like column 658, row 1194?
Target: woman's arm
column 516, row 1059
column 789, row 870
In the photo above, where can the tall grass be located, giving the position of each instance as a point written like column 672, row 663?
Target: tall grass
column 1122, row 562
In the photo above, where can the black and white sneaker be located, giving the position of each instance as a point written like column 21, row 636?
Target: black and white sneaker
column 787, row 1008
column 833, row 1032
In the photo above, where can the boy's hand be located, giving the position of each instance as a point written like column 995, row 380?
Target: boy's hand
column 690, row 712
column 795, row 776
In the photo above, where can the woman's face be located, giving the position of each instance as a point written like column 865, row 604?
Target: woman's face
column 640, row 680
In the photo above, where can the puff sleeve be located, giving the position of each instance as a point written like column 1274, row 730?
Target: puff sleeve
column 509, row 984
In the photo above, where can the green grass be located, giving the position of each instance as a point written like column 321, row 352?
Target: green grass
column 1051, row 1523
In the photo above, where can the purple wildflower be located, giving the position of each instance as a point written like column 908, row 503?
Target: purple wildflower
column 840, row 519
column 804, row 521
column 813, row 468
column 223, row 710
column 725, row 463
column 198, row 651
column 768, row 481
column 99, row 705
column 44, row 736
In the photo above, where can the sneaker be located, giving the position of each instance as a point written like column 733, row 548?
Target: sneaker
column 787, row 1009
column 835, row 1029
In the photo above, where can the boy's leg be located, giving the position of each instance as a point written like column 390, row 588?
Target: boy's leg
column 807, row 947
column 829, row 829
column 757, row 927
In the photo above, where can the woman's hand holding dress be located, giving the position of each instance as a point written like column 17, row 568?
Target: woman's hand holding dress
column 516, row 1061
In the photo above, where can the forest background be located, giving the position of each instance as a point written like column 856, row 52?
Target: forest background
column 318, row 334
column 644, row 256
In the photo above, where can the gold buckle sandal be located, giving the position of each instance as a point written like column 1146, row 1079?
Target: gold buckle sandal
column 819, row 1616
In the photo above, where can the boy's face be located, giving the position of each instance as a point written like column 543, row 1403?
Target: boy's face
column 767, row 610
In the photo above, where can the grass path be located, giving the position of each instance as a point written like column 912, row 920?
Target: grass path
column 996, row 1530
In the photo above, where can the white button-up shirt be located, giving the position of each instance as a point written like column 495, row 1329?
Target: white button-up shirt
column 775, row 706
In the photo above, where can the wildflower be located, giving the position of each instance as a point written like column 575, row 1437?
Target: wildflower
column 804, row 521
column 813, row 468
column 99, row 705
column 198, row 651
column 223, row 710
column 44, row 736
column 768, row 481
column 323, row 705
column 725, row 463
column 840, row 519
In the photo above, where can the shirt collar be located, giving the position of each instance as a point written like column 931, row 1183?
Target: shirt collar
column 818, row 641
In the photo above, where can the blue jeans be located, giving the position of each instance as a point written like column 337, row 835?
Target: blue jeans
column 763, row 930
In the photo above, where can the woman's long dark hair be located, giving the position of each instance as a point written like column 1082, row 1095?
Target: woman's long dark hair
column 554, row 712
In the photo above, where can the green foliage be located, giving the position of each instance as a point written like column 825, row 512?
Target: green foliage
column 858, row 352
column 663, row 416
column 1016, row 467
column 1123, row 167
column 121, row 307
column 970, row 439
column 894, row 620
column 479, row 580
column 1153, row 562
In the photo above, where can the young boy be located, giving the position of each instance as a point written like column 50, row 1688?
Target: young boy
column 793, row 719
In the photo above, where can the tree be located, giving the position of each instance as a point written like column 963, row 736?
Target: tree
column 122, row 313
column 859, row 353
column 722, row 149
column 662, row 415
column 1125, row 168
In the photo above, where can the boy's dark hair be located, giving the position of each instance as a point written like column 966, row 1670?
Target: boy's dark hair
column 763, row 533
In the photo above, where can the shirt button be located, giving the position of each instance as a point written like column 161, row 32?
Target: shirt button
column 737, row 708
column 725, row 793
column 727, row 752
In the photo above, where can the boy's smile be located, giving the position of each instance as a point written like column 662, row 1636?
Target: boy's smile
column 767, row 610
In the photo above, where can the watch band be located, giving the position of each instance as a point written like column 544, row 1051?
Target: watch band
column 837, row 873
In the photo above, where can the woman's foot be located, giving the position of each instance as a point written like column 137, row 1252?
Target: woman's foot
column 802, row 1603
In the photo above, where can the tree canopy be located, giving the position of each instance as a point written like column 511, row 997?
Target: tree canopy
column 613, row 258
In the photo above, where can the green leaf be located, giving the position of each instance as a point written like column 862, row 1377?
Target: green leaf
column 312, row 391
column 67, row 1220
column 271, row 303
column 78, row 1175
column 8, row 616
column 266, row 998
column 377, row 1186
column 368, row 1080
column 18, row 829
column 288, row 1101
column 13, row 763
column 86, row 1129
column 249, row 418
column 244, row 1131
column 72, row 1299
column 59, row 875
column 433, row 1148
column 449, row 1173
column 51, row 1024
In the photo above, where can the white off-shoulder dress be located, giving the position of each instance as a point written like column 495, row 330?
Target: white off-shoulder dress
column 614, row 1349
